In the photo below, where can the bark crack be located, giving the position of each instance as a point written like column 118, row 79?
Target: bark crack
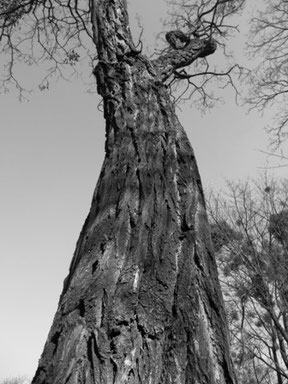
column 91, row 348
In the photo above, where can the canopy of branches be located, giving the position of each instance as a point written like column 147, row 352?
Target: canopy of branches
column 59, row 35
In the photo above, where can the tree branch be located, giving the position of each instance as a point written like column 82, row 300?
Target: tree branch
column 167, row 63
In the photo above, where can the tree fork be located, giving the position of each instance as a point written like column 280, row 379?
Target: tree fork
column 142, row 302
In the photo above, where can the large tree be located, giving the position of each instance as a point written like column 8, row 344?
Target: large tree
column 142, row 301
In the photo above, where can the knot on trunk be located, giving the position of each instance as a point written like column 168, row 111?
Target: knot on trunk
column 177, row 39
column 206, row 48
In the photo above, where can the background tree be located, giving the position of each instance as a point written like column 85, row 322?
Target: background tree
column 268, row 45
column 250, row 236
column 16, row 380
column 142, row 301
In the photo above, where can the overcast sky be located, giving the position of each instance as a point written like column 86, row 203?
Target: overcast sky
column 51, row 152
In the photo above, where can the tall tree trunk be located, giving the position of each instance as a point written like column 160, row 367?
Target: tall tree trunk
column 142, row 302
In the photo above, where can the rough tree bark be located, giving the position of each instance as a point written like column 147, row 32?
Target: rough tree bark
column 142, row 302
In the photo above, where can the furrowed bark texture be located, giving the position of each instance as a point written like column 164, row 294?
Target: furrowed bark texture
column 142, row 302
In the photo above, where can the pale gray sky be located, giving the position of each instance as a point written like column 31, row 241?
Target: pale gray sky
column 51, row 152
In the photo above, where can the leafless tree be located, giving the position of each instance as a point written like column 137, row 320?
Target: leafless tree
column 268, row 45
column 16, row 380
column 250, row 233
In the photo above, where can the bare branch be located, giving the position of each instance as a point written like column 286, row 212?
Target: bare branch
column 268, row 82
column 34, row 31
column 202, row 20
